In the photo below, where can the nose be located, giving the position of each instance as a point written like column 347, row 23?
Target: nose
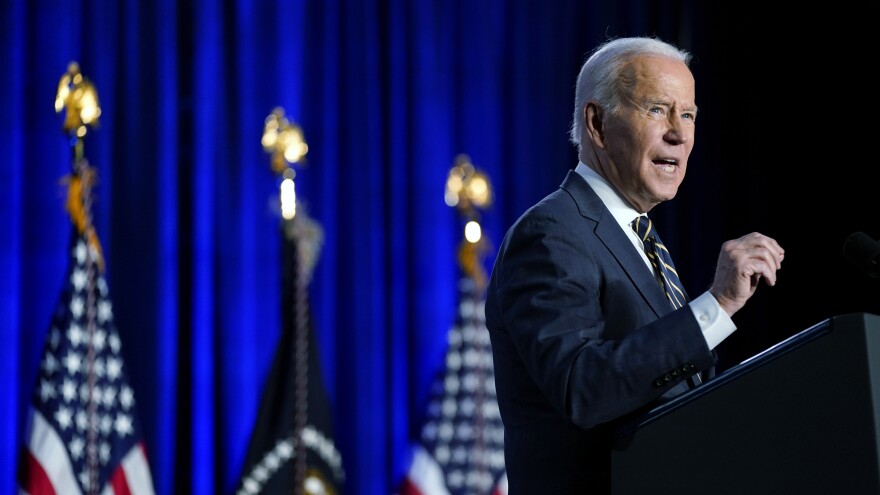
column 678, row 132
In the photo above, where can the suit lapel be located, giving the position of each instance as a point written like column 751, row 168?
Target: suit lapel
column 618, row 244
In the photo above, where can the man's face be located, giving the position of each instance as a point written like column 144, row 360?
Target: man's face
column 648, row 140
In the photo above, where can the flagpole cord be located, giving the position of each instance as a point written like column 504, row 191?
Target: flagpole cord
column 301, row 367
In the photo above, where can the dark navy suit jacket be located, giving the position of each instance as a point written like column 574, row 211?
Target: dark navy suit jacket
column 582, row 336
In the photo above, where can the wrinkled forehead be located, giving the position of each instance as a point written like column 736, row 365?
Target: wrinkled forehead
column 656, row 75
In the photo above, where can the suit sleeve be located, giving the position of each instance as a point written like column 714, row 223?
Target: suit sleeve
column 553, row 290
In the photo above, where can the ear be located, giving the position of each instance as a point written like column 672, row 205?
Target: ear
column 594, row 117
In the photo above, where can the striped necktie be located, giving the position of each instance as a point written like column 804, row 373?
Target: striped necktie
column 664, row 269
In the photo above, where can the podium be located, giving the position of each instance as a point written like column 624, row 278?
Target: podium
column 802, row 417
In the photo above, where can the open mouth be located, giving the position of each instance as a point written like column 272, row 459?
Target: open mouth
column 665, row 164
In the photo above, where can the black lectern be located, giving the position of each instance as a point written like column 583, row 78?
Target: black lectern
column 802, row 417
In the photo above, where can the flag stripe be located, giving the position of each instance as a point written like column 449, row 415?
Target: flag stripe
column 37, row 481
column 501, row 488
column 137, row 471
column 50, row 455
column 425, row 475
column 118, row 482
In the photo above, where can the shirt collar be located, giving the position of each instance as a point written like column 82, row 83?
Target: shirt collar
column 622, row 212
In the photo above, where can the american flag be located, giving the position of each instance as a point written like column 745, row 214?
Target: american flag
column 462, row 441
column 83, row 434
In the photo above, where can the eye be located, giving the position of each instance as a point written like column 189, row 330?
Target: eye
column 656, row 110
column 690, row 116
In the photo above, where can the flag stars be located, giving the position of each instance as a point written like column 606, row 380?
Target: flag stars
column 75, row 334
column 78, row 279
column 459, row 455
column 107, row 424
column 115, row 343
column 104, row 452
column 465, row 432
column 105, row 311
column 50, row 364
column 84, row 392
column 429, row 432
column 68, row 390
column 84, row 478
column 109, row 396
column 114, row 368
column 47, row 390
column 99, row 368
column 466, row 308
column 126, row 397
column 465, row 410
column 455, row 479
column 123, row 425
column 455, row 338
column 82, row 420
column 453, row 361
column 445, row 431
column 452, row 384
column 470, row 382
column 79, row 252
column 97, row 394
column 76, row 447
column 472, row 358
column 449, row 407
column 99, row 339
column 468, row 406
column 77, row 307
column 72, row 362
column 442, row 454
column 63, row 417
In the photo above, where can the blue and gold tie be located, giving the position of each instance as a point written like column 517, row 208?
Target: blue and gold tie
column 664, row 269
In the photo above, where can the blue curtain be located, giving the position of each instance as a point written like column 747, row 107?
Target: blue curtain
column 388, row 93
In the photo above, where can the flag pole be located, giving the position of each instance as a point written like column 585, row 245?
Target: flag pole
column 469, row 191
column 78, row 98
column 286, row 145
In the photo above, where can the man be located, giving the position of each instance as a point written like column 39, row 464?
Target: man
column 583, row 329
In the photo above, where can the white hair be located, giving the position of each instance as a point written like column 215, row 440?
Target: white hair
column 600, row 76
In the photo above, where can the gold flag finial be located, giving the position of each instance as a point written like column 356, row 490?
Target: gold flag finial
column 469, row 191
column 467, row 188
column 285, row 142
column 78, row 96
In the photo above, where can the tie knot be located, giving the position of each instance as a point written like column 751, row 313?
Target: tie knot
column 643, row 227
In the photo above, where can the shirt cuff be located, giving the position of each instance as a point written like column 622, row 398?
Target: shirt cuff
column 714, row 321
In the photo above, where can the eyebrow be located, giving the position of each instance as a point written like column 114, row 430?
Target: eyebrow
column 666, row 103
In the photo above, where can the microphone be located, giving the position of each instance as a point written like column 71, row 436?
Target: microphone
column 864, row 252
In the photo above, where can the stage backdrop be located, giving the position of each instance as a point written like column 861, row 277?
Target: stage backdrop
column 388, row 93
